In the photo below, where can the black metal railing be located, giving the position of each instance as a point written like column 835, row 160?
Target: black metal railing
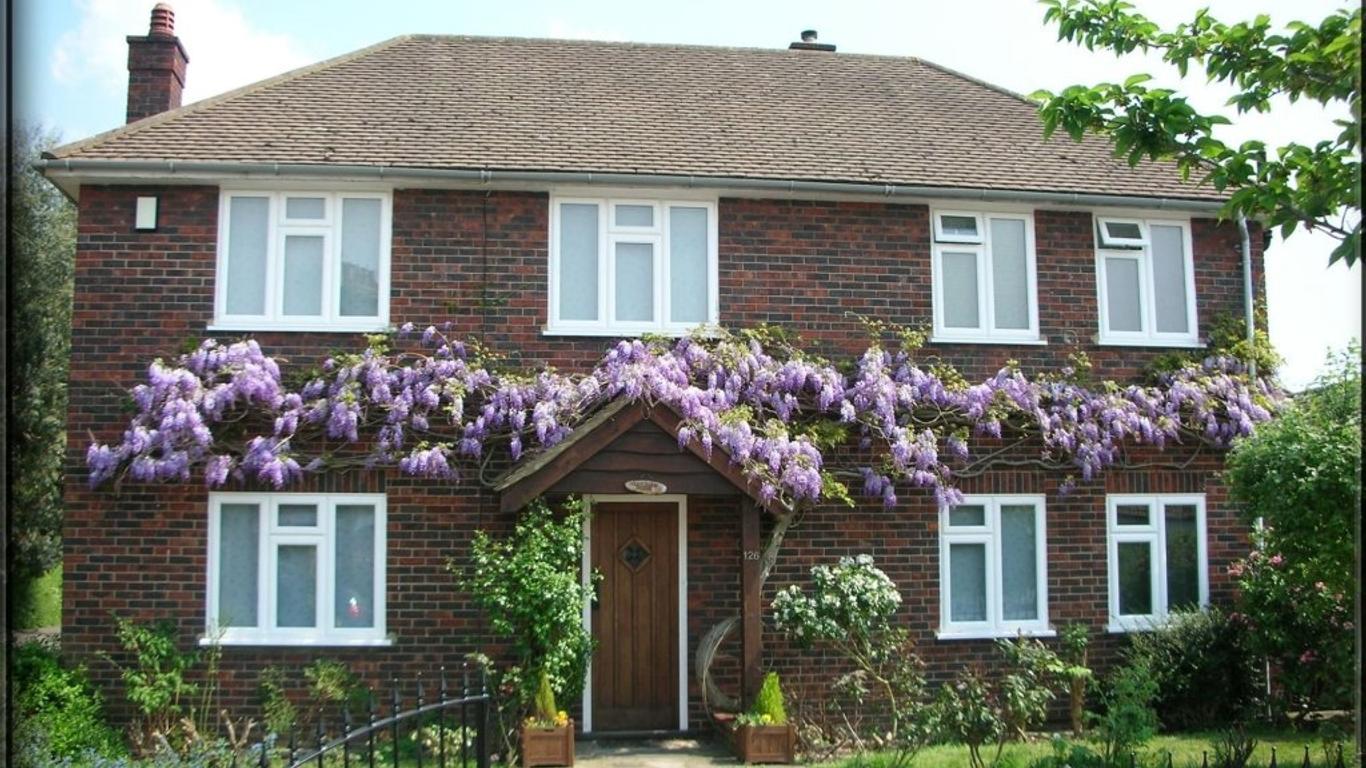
column 441, row 730
column 1332, row 758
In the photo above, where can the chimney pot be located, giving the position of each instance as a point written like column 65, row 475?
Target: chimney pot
column 163, row 20
column 156, row 67
column 809, row 43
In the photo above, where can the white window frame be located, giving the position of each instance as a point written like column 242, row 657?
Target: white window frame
column 609, row 234
column 279, row 227
column 1155, row 535
column 987, row 332
column 989, row 535
column 1141, row 251
column 270, row 536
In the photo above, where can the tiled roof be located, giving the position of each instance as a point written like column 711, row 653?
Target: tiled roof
column 426, row 101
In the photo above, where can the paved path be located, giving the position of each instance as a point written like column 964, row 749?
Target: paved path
column 665, row 753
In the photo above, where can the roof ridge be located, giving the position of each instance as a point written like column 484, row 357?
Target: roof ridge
column 651, row 44
column 171, row 114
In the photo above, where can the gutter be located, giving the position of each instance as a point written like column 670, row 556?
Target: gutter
column 220, row 169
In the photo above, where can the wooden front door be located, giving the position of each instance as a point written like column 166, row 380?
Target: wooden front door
column 635, row 619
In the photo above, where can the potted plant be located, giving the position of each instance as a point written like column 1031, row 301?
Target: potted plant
column 548, row 735
column 763, row 734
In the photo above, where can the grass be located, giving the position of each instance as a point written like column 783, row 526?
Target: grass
column 1187, row 749
column 38, row 603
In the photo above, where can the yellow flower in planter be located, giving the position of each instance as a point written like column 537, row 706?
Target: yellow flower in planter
column 561, row 718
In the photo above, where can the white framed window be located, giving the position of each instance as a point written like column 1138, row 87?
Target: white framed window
column 305, row 261
column 627, row 266
column 993, row 572
column 984, row 277
column 1157, row 557
column 296, row 569
column 1145, row 280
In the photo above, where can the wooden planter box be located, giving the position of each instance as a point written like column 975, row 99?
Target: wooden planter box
column 548, row 746
column 766, row 743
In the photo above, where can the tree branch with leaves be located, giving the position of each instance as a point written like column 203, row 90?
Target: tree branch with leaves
column 1314, row 186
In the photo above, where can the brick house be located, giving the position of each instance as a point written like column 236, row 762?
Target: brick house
column 549, row 196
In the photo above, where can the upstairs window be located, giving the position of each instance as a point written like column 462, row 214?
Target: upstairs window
column 993, row 572
column 296, row 569
column 1146, row 282
column 303, row 261
column 1157, row 558
column 632, row 266
column 984, row 289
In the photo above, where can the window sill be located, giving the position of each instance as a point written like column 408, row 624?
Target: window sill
column 267, row 327
column 301, row 642
column 1157, row 343
column 673, row 333
column 988, row 340
column 992, row 634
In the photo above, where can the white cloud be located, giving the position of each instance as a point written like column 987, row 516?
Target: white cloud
column 225, row 50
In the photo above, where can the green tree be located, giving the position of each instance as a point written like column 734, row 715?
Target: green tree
column 1315, row 186
column 1300, row 475
column 43, row 245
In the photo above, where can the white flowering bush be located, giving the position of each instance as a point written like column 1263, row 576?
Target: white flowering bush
column 852, row 598
column 880, row 704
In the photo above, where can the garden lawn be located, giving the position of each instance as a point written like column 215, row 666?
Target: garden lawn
column 39, row 603
column 1187, row 749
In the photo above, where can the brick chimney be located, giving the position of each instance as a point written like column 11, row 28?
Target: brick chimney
column 156, row 67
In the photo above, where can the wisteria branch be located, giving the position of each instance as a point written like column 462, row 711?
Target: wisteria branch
column 790, row 421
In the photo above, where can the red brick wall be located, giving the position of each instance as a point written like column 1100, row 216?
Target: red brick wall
column 479, row 261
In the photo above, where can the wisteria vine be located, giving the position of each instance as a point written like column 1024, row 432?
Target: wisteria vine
column 225, row 413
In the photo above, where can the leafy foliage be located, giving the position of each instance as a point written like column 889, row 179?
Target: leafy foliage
column 1204, row 668
column 967, row 711
column 279, row 712
column 529, row 585
column 1298, row 185
column 158, row 681
column 42, row 247
column 768, row 704
column 1301, row 478
column 544, row 711
column 1075, row 640
column 1128, row 720
column 849, row 610
column 56, row 711
column 1027, row 687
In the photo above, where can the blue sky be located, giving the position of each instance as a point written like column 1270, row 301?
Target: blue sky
column 70, row 76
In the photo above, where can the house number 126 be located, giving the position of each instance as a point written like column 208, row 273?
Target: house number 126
column 751, row 554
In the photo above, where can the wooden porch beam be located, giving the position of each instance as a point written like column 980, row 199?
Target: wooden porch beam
column 751, row 602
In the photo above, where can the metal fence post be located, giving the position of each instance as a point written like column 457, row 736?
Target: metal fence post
column 482, row 735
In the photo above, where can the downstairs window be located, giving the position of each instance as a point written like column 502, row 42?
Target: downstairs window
column 296, row 569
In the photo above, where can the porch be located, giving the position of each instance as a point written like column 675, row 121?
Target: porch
column 643, row 490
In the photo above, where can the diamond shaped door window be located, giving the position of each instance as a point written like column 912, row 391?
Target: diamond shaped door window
column 634, row 554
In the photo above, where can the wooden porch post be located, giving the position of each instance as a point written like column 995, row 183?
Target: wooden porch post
column 751, row 611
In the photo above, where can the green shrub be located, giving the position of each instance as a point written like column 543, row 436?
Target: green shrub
column 1300, row 475
column 1205, row 671
column 157, row 682
column 544, row 706
column 1026, row 688
column 279, row 713
column 58, row 714
column 1128, row 720
column 966, row 712
column 530, row 587
column 882, row 703
column 768, row 704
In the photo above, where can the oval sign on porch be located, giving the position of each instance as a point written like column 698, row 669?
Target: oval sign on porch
column 647, row 487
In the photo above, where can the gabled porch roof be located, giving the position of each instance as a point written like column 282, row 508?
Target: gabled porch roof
column 626, row 439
